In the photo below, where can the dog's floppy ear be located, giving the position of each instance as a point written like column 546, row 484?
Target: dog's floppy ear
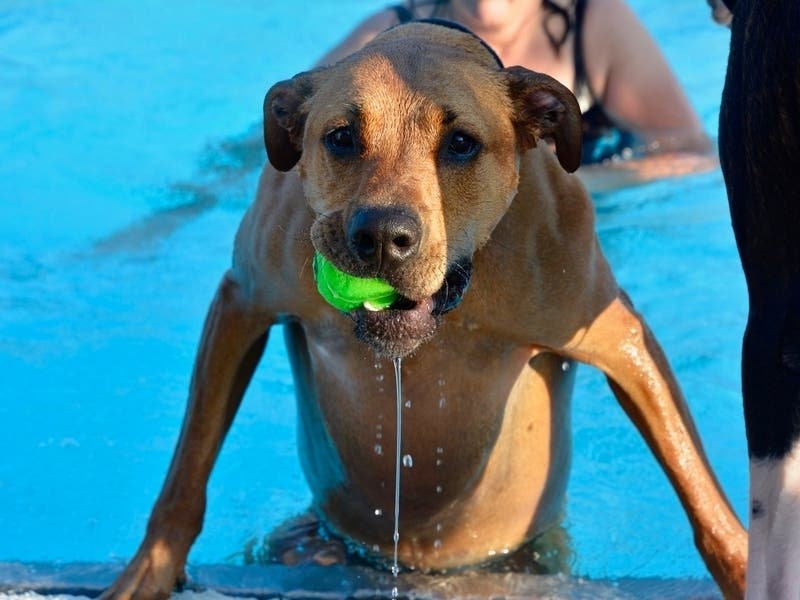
column 543, row 108
column 284, row 120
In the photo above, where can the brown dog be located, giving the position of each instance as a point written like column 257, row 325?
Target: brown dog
column 416, row 160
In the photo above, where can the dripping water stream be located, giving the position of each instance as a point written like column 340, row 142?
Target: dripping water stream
column 397, row 464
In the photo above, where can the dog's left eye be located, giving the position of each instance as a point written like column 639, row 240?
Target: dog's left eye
column 462, row 146
column 341, row 141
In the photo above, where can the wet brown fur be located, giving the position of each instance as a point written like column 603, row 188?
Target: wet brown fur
column 489, row 397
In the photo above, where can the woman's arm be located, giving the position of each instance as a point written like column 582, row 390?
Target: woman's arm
column 609, row 176
column 631, row 77
column 640, row 93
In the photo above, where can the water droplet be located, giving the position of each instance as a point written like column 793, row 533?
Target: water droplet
column 376, row 548
column 441, row 382
column 408, row 404
column 437, row 543
column 506, row 551
column 442, row 402
column 378, row 365
column 408, row 461
column 438, row 527
column 394, row 589
column 491, row 553
column 565, row 366
column 378, row 449
column 378, row 436
column 439, row 450
column 438, row 489
column 378, row 512
column 439, row 462
column 395, row 538
column 379, row 377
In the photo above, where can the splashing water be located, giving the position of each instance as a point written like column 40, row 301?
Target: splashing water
column 398, row 454
column 442, row 398
column 379, row 377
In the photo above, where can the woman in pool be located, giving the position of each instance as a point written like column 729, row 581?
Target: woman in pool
column 633, row 106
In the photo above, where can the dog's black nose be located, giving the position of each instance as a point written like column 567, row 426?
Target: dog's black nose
column 383, row 236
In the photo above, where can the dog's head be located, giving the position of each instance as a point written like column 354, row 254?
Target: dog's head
column 409, row 154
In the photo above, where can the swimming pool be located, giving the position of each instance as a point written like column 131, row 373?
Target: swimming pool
column 128, row 152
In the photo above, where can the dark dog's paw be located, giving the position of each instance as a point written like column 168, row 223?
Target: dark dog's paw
column 303, row 541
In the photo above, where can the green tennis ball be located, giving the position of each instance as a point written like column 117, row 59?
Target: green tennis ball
column 347, row 292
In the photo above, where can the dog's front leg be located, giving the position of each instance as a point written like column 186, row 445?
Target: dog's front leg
column 233, row 340
column 619, row 342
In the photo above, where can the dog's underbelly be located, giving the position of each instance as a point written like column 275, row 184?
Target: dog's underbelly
column 487, row 434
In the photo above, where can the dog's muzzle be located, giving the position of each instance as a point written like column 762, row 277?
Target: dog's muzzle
column 402, row 328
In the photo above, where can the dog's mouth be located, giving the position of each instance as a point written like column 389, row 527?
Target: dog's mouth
column 400, row 329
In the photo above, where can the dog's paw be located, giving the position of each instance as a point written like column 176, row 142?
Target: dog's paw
column 152, row 574
column 302, row 541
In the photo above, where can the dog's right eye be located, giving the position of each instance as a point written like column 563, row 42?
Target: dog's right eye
column 341, row 141
column 462, row 147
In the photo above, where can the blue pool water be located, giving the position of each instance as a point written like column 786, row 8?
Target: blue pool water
column 129, row 148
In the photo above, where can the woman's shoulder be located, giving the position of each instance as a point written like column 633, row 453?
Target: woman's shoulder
column 616, row 42
column 610, row 24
